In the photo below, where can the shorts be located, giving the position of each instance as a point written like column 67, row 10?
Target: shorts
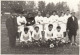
column 21, row 28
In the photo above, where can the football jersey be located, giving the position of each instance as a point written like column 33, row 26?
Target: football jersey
column 21, row 20
column 38, row 19
column 36, row 35
column 49, row 34
column 30, row 21
column 25, row 37
column 53, row 18
column 59, row 34
column 46, row 20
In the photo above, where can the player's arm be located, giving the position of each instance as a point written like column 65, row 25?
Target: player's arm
column 18, row 21
column 25, row 20
column 21, row 37
column 30, row 38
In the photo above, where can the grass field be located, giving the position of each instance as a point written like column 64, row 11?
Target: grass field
column 5, row 49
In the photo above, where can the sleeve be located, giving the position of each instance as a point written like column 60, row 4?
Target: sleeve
column 40, row 35
column 21, row 37
column 30, row 39
column 18, row 21
column 62, row 35
column 46, row 35
column 25, row 20
column 32, row 35
column 35, row 20
column 54, row 34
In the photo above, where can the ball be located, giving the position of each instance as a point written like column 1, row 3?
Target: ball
column 51, row 45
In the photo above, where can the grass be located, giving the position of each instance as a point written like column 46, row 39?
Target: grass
column 5, row 49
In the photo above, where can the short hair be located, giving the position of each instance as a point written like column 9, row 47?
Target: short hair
column 36, row 27
column 26, row 29
column 67, row 10
column 54, row 11
column 50, row 25
column 58, row 27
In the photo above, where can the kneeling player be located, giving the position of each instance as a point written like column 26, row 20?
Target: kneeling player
column 59, row 36
column 49, row 35
column 36, row 36
column 25, row 37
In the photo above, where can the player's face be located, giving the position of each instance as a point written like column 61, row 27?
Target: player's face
column 50, row 28
column 37, row 29
column 62, row 14
column 73, row 14
column 26, row 32
column 20, row 15
column 30, row 15
column 58, row 30
column 54, row 13
column 39, row 14
column 67, row 12
column 47, row 15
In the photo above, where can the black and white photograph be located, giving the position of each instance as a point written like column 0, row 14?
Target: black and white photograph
column 40, row 27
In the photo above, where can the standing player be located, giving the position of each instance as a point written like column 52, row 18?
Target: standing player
column 39, row 21
column 53, row 19
column 46, row 21
column 67, row 15
column 30, row 22
column 21, row 21
column 62, row 23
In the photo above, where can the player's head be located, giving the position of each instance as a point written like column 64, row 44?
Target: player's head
column 29, row 15
column 58, row 28
column 20, row 14
column 67, row 12
column 62, row 13
column 54, row 12
column 26, row 30
column 73, row 14
column 50, row 27
column 47, row 15
column 39, row 13
column 36, row 28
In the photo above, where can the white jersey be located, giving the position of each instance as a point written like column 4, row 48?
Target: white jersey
column 46, row 22
column 53, row 18
column 38, row 19
column 39, row 22
column 62, row 23
column 25, row 37
column 19, row 21
column 49, row 34
column 59, row 34
column 36, row 35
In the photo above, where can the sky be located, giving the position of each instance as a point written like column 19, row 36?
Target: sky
column 73, row 4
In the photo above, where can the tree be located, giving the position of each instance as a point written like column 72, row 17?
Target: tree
column 50, row 7
column 30, row 5
column 17, row 6
column 61, row 7
column 41, row 6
